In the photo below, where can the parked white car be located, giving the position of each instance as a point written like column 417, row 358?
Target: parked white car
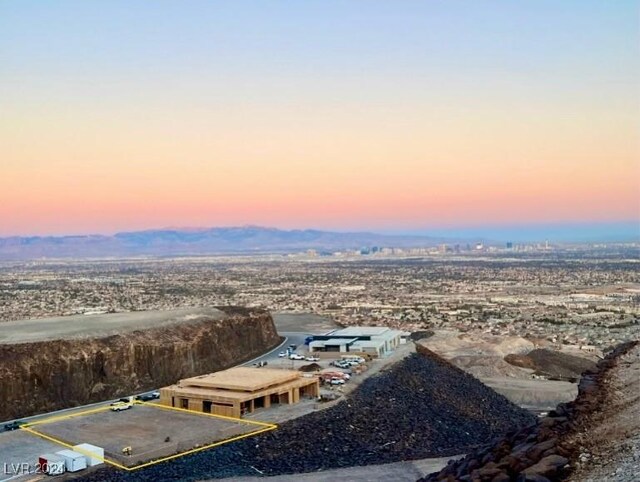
column 312, row 358
column 119, row 406
column 341, row 364
column 282, row 354
column 295, row 356
column 357, row 359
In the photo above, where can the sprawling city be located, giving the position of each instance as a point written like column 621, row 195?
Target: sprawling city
column 581, row 296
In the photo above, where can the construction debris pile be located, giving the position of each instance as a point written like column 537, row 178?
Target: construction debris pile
column 422, row 407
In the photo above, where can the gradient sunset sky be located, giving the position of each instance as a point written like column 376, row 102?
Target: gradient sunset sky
column 379, row 115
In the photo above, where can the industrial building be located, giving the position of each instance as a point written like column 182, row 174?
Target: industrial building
column 372, row 340
column 240, row 390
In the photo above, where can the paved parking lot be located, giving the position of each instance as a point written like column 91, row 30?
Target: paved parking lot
column 19, row 447
column 151, row 432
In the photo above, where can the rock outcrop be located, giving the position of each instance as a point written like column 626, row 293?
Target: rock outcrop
column 48, row 375
column 540, row 452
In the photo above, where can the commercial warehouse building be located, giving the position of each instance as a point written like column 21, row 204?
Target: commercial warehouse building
column 240, row 390
column 373, row 340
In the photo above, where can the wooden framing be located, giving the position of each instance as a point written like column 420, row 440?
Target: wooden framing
column 240, row 390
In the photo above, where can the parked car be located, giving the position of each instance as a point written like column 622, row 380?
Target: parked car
column 295, row 356
column 312, row 358
column 119, row 406
column 355, row 358
column 282, row 354
column 336, row 381
column 260, row 364
column 145, row 397
column 341, row 364
column 10, row 427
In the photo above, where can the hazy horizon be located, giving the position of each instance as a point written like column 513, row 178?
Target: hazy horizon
column 517, row 233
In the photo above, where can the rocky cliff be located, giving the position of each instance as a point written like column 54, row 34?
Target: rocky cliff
column 48, row 375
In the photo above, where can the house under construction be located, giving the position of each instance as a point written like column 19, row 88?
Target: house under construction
column 240, row 390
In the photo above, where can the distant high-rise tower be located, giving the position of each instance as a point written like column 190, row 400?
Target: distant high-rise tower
column 509, row 245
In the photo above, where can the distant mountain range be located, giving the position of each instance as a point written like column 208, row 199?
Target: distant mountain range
column 165, row 242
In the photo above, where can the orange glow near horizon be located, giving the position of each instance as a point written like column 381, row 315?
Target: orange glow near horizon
column 106, row 145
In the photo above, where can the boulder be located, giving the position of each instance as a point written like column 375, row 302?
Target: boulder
column 535, row 452
column 548, row 466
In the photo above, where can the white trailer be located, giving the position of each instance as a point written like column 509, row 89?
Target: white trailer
column 74, row 461
column 87, row 450
column 51, row 464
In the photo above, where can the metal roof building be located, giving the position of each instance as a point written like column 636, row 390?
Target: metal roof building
column 373, row 340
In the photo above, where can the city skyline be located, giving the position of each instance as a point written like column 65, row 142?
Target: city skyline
column 404, row 116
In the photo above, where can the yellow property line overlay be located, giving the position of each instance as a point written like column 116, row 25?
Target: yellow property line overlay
column 265, row 427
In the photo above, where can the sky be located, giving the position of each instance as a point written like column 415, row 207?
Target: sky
column 379, row 115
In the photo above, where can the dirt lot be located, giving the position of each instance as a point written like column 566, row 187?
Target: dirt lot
column 145, row 429
column 407, row 471
column 99, row 325
column 537, row 395
column 302, row 322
